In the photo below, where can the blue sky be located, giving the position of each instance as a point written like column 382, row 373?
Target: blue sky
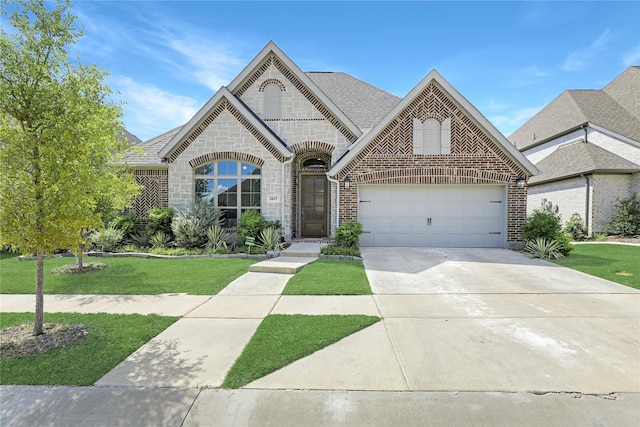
column 508, row 58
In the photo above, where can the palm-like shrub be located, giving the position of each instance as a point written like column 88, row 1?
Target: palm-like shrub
column 140, row 239
column 270, row 238
column 159, row 239
column 544, row 248
column 217, row 238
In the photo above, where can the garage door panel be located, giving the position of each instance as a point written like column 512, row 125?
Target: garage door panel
column 433, row 215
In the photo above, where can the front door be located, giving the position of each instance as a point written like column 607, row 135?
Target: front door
column 314, row 206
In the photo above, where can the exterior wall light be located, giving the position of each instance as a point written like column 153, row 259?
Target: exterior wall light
column 347, row 182
column 521, row 183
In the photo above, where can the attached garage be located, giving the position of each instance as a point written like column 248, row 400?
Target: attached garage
column 433, row 215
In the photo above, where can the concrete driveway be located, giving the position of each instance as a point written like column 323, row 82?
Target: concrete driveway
column 496, row 320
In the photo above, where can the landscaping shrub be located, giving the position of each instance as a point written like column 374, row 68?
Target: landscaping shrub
column 575, row 227
column 140, row 239
column 348, row 234
column 545, row 224
column 250, row 224
column 127, row 223
column 270, row 238
column 627, row 219
column 190, row 227
column 217, row 238
column 108, row 239
column 159, row 239
column 544, row 248
column 159, row 219
column 338, row 250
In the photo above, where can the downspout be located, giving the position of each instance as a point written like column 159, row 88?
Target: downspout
column 587, row 202
column 284, row 164
column 337, row 198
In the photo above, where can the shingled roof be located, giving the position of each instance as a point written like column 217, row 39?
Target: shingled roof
column 363, row 103
column 580, row 158
column 149, row 149
column 616, row 108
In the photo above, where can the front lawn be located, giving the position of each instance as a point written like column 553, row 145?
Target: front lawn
column 618, row 263
column 112, row 337
column 282, row 339
column 125, row 276
column 329, row 277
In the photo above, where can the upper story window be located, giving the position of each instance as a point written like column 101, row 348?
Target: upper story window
column 431, row 136
column 272, row 101
column 232, row 186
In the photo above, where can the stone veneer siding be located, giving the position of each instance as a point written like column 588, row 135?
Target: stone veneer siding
column 475, row 159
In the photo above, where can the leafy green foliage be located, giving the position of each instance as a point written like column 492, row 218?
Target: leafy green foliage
column 250, row 224
column 159, row 219
column 271, row 240
column 339, row 250
column 140, row 239
column 159, row 239
column 575, row 227
column 127, row 223
column 190, row 227
column 329, row 277
column 217, row 238
column 282, row 339
column 618, row 263
column 111, row 339
column 545, row 224
column 348, row 234
column 627, row 218
column 61, row 137
column 543, row 248
column 128, row 276
column 107, row 239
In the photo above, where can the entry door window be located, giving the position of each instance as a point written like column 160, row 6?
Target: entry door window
column 314, row 205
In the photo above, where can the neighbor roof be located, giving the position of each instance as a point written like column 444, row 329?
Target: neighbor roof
column 150, row 149
column 615, row 108
column 580, row 158
column 363, row 103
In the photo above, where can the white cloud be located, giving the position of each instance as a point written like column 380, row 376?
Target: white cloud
column 511, row 121
column 632, row 57
column 581, row 59
column 149, row 110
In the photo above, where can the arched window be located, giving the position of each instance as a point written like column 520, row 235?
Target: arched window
column 232, row 186
column 314, row 163
column 272, row 101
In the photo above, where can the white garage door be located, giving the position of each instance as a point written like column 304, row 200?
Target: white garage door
column 432, row 215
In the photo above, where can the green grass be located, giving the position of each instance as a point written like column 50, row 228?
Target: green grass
column 112, row 337
column 329, row 277
column 282, row 339
column 124, row 276
column 606, row 261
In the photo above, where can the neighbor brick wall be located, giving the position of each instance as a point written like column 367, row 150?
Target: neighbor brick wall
column 475, row 159
column 608, row 191
column 569, row 195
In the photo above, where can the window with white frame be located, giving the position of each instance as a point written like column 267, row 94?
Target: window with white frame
column 232, row 186
column 431, row 136
column 272, row 101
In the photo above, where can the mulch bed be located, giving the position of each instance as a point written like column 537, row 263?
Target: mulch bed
column 19, row 341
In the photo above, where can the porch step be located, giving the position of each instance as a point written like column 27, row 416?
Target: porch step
column 303, row 249
column 282, row 265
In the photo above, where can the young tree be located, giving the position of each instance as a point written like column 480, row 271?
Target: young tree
column 60, row 137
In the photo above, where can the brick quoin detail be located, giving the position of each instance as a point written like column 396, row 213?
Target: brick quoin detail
column 475, row 159
column 226, row 155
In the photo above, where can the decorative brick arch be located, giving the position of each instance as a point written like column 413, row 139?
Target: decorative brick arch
column 304, row 146
column 268, row 82
column 226, row 155
column 433, row 175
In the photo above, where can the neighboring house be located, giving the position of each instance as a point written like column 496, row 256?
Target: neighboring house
column 316, row 149
column 586, row 143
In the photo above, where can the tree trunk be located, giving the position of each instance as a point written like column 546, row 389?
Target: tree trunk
column 38, row 326
column 79, row 257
